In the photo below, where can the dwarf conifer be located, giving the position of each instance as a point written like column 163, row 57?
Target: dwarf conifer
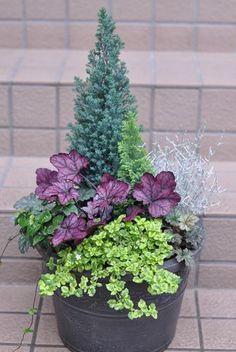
column 102, row 102
column 134, row 161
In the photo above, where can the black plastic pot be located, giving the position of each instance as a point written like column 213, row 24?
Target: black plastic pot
column 88, row 325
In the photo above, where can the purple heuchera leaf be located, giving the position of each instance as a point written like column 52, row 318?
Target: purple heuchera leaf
column 132, row 212
column 69, row 165
column 97, row 216
column 157, row 192
column 110, row 191
column 45, row 179
column 72, row 228
column 64, row 190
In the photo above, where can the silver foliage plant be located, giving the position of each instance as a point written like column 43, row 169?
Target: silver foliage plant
column 196, row 178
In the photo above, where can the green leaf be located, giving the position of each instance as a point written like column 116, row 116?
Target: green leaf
column 32, row 311
column 44, row 217
column 28, row 331
column 33, row 229
column 29, row 203
column 86, row 193
column 23, row 243
column 70, row 208
column 37, row 239
column 22, row 220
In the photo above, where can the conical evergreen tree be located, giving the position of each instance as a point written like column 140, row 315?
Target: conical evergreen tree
column 134, row 161
column 102, row 102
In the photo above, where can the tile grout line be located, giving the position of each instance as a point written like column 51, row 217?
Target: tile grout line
column 10, row 101
column 57, row 113
column 152, row 71
column 200, row 89
column 36, row 325
column 152, row 103
column 57, row 101
column 134, row 85
column 66, row 25
column 24, row 22
column 126, row 21
column 195, row 25
column 153, row 27
column 5, row 172
column 200, row 333
column 110, row 7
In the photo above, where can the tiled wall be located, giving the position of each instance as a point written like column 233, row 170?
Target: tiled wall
column 175, row 92
column 204, row 25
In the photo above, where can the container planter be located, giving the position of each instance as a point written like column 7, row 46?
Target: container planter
column 89, row 325
column 111, row 216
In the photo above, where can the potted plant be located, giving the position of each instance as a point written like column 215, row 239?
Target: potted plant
column 108, row 219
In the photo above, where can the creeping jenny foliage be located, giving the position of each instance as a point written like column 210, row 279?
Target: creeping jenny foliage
column 134, row 161
column 101, row 103
column 119, row 248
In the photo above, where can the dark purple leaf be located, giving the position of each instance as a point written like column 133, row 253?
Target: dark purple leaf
column 64, row 190
column 44, row 175
column 72, row 228
column 132, row 212
column 91, row 211
column 45, row 179
column 69, row 165
column 110, row 192
column 97, row 216
column 157, row 192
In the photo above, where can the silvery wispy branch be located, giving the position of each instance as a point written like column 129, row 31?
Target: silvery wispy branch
column 196, row 178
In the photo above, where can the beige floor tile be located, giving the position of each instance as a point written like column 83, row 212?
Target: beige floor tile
column 213, row 249
column 31, row 163
column 139, row 67
column 12, row 327
column 7, row 230
column 224, row 166
column 11, row 348
column 44, row 142
column 8, row 197
column 217, row 303
column 220, row 275
column 227, row 205
column 188, row 305
column 47, row 331
column 40, row 66
column 48, row 305
column 186, row 334
column 219, row 334
column 177, row 69
column 20, row 272
column 218, row 69
column 3, row 165
column 8, row 61
column 16, row 298
column 20, row 177
column 74, row 66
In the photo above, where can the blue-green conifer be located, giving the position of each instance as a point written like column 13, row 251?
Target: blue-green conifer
column 102, row 102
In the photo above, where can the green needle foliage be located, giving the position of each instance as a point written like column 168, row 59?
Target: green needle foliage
column 137, row 249
column 134, row 161
column 102, row 102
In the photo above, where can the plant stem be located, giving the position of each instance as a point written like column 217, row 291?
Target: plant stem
column 31, row 321
column 6, row 245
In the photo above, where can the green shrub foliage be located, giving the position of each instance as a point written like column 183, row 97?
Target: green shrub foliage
column 138, row 248
column 102, row 102
column 134, row 161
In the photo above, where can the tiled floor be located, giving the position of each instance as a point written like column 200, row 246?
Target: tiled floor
column 208, row 316
column 207, row 321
